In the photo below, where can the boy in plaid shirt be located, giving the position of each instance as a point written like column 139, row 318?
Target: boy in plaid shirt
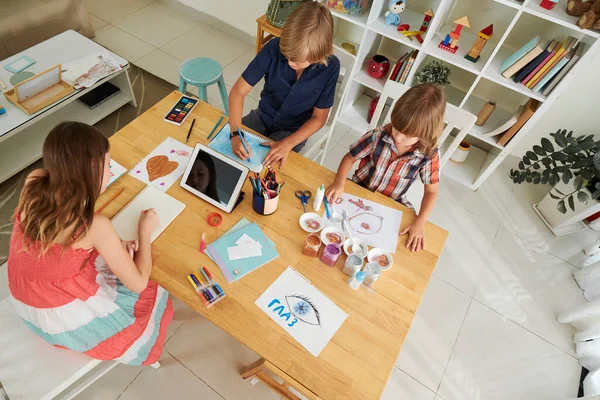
column 394, row 155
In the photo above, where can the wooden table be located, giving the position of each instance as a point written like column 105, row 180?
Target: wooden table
column 358, row 360
column 263, row 25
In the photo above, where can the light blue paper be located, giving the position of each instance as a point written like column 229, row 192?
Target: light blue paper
column 222, row 144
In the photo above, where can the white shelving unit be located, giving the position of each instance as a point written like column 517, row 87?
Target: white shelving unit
column 473, row 84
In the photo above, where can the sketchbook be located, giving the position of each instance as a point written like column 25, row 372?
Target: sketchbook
column 116, row 170
column 222, row 144
column 302, row 310
column 167, row 208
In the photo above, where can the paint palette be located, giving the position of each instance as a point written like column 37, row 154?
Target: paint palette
column 180, row 111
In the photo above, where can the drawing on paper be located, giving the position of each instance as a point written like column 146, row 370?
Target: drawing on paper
column 222, row 144
column 304, row 309
column 164, row 165
column 374, row 223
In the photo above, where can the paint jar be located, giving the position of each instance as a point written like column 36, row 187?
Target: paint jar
column 353, row 265
column 356, row 280
column 312, row 245
column 330, row 254
column 372, row 273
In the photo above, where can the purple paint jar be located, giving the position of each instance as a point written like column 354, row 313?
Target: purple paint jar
column 330, row 254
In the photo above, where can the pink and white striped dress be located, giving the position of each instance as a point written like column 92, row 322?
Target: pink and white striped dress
column 72, row 299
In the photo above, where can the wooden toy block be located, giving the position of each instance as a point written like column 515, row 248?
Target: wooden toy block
column 426, row 20
column 474, row 54
column 548, row 4
column 412, row 33
column 419, row 38
column 446, row 48
column 446, row 41
column 403, row 27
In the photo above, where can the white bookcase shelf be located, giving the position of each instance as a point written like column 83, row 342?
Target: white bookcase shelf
column 472, row 84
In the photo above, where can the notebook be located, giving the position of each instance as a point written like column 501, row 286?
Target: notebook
column 574, row 57
column 167, row 208
column 302, row 310
column 536, row 64
column 553, row 72
column 116, row 170
column 222, row 144
column 517, row 55
column 528, row 57
column 235, row 269
column 560, row 55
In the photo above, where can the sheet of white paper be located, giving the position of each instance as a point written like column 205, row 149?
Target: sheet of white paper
column 247, row 239
column 164, row 165
column 377, row 225
column 302, row 310
column 116, row 170
column 88, row 70
column 245, row 250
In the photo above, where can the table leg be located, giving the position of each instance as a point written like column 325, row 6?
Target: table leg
column 262, row 369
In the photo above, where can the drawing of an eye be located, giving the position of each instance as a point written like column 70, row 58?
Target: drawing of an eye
column 304, row 309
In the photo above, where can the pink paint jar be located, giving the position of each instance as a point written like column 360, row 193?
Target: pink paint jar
column 330, row 254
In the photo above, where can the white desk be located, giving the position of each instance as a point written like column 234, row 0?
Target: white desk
column 22, row 135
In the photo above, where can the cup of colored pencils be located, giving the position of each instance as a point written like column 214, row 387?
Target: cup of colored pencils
column 265, row 192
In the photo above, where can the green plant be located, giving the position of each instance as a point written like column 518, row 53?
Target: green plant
column 434, row 72
column 575, row 158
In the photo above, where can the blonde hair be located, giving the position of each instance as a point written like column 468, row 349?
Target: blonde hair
column 420, row 112
column 308, row 34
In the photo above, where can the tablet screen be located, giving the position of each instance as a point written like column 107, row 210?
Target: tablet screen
column 213, row 177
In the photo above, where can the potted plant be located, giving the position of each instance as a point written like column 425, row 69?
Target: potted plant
column 572, row 167
column 434, row 72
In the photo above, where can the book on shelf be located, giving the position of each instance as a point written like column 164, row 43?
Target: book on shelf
column 517, row 55
column 550, row 51
column 396, row 70
column 561, row 74
column 536, row 63
column 560, row 54
column 409, row 64
column 555, row 70
column 558, row 50
column 402, row 68
column 528, row 110
column 538, row 48
column 506, row 124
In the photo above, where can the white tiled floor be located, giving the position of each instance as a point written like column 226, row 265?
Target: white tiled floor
column 486, row 327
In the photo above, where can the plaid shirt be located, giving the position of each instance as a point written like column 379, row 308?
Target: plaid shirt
column 381, row 169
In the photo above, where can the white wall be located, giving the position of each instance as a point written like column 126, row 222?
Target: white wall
column 576, row 109
column 241, row 14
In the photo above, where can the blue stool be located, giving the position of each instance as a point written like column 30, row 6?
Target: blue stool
column 203, row 72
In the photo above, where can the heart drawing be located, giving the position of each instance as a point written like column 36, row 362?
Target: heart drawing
column 159, row 166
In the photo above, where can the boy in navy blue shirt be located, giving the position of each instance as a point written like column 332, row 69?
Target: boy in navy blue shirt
column 300, row 74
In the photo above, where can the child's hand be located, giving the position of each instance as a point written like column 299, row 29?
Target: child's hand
column 279, row 152
column 334, row 191
column 416, row 236
column 131, row 246
column 149, row 221
column 238, row 148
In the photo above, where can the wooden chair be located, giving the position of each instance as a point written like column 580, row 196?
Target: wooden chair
column 265, row 26
column 270, row 375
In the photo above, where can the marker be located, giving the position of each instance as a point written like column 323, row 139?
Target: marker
column 243, row 144
column 199, row 285
column 215, row 284
column 197, row 290
column 203, row 243
column 327, row 208
column 210, row 295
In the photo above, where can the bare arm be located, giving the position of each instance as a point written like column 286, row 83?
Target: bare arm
column 132, row 272
column 335, row 190
column 280, row 150
column 238, row 93
column 416, row 230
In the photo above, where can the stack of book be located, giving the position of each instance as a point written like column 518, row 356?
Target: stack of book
column 401, row 69
column 541, row 64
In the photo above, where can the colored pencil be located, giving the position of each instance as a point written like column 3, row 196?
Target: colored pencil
column 280, row 186
column 190, row 131
column 243, row 144
column 215, row 127
column 114, row 196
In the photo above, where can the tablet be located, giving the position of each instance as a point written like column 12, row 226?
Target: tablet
column 214, row 178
